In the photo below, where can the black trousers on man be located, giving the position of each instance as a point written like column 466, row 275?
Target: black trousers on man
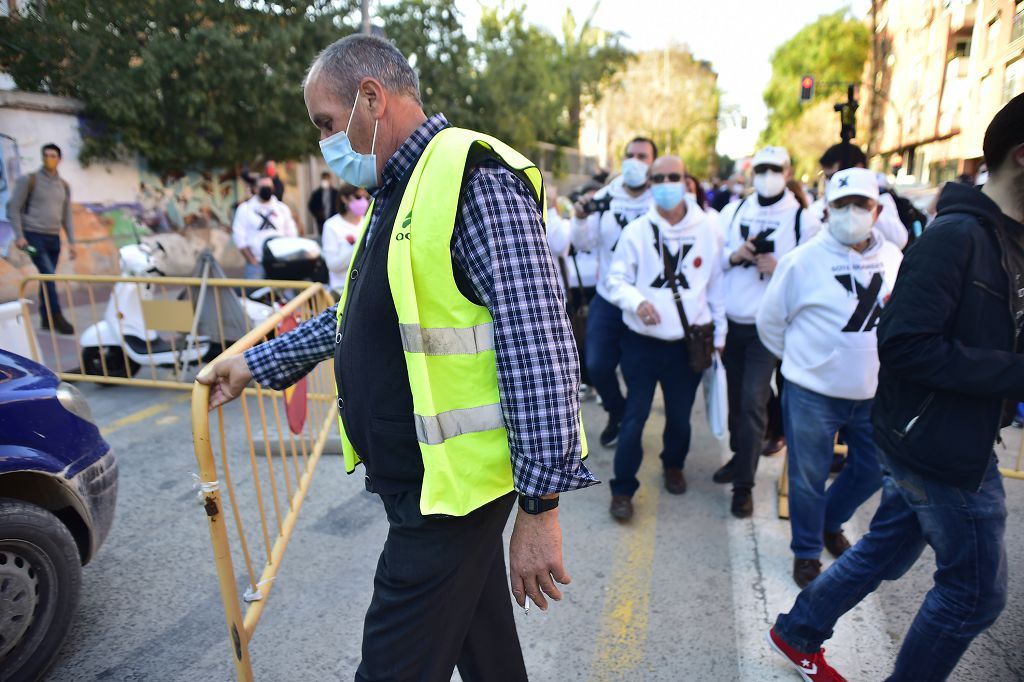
column 748, row 369
column 441, row 598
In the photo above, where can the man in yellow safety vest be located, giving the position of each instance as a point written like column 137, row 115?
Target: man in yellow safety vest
column 456, row 370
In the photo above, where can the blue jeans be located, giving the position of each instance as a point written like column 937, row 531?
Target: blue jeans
column 646, row 362
column 811, row 421
column 253, row 271
column 603, row 351
column 47, row 248
column 965, row 528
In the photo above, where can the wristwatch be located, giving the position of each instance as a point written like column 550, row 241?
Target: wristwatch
column 536, row 505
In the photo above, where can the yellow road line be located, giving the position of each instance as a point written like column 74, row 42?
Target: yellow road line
column 624, row 619
column 143, row 414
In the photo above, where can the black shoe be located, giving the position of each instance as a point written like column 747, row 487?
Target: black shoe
column 773, row 446
column 675, row 482
column 805, row 571
column 836, row 543
column 726, row 473
column 621, row 508
column 742, row 503
column 611, row 432
column 62, row 326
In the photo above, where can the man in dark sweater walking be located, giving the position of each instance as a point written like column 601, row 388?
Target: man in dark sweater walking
column 950, row 346
column 38, row 208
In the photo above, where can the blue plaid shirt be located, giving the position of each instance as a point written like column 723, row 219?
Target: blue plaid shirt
column 500, row 244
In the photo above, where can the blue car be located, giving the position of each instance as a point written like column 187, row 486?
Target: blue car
column 58, row 488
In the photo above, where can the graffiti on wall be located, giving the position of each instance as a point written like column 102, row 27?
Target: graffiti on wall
column 191, row 200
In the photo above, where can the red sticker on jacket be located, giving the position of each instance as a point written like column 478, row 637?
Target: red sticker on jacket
column 697, row 261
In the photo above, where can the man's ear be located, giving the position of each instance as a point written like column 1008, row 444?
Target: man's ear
column 878, row 211
column 376, row 97
column 1018, row 155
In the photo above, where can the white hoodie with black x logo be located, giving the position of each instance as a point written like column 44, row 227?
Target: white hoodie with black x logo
column 820, row 313
column 649, row 253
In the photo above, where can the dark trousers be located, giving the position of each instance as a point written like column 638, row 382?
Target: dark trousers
column 604, row 350
column 574, row 300
column 748, row 368
column 441, row 598
column 966, row 529
column 647, row 362
column 47, row 248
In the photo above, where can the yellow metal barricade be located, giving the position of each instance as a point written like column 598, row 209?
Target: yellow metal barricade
column 142, row 331
column 251, row 525
column 1017, row 470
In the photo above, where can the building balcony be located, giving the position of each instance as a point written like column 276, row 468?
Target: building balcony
column 961, row 15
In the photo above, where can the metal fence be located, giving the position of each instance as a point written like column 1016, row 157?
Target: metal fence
column 156, row 332
column 267, row 446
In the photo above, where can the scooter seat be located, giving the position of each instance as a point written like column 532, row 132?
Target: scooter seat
column 158, row 345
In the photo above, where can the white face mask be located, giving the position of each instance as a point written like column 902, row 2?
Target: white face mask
column 770, row 184
column 634, row 173
column 738, row 188
column 325, row 184
column 851, row 224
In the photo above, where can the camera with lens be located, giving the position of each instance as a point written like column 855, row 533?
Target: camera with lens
column 601, row 205
column 762, row 244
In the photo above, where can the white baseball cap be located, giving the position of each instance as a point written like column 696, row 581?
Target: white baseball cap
column 852, row 182
column 773, row 156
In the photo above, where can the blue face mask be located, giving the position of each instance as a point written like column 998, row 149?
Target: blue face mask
column 668, row 195
column 349, row 165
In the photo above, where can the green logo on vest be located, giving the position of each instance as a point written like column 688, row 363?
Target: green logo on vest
column 400, row 236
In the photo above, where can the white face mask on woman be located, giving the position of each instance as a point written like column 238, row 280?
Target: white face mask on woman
column 851, row 224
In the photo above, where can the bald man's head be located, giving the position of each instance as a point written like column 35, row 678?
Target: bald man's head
column 665, row 165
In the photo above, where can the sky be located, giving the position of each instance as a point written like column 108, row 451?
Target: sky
column 736, row 36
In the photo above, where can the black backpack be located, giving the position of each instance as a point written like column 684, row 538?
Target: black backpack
column 909, row 215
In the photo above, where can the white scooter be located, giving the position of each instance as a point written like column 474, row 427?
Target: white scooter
column 120, row 343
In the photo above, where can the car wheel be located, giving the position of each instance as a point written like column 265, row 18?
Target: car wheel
column 114, row 358
column 40, row 580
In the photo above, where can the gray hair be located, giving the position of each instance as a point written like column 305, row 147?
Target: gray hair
column 344, row 63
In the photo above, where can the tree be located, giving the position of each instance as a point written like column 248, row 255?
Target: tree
column 833, row 49
column 429, row 33
column 672, row 98
column 185, row 85
column 520, row 91
column 592, row 56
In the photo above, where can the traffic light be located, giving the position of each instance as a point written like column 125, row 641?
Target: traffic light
column 807, row 88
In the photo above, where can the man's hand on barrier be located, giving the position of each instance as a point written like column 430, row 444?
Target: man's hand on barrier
column 226, row 378
column 21, row 243
column 535, row 558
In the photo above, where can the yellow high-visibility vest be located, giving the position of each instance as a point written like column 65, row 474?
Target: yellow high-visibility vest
column 448, row 341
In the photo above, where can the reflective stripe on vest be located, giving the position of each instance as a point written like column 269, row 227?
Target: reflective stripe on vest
column 439, row 428
column 448, row 341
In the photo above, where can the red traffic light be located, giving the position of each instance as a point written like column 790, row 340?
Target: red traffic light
column 807, row 88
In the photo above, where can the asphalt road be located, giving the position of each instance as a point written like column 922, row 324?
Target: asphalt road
column 685, row 592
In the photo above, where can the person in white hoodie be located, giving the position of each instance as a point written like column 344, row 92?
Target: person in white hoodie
column 672, row 248
column 596, row 227
column 759, row 230
column 819, row 316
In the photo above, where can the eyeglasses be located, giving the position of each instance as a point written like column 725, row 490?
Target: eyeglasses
column 760, row 169
column 658, row 178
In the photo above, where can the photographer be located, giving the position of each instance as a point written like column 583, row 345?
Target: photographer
column 597, row 226
column 758, row 231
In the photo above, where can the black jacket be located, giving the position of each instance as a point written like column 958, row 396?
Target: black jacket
column 947, row 341
column 316, row 205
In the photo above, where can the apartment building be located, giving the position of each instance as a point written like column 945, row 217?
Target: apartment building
column 939, row 71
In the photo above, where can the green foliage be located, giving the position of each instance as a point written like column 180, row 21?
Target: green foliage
column 833, row 49
column 198, row 84
column 216, row 83
column 672, row 98
column 429, row 33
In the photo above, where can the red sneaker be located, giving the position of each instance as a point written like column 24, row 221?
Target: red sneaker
column 812, row 667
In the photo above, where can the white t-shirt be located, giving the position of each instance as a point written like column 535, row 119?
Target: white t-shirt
column 339, row 243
